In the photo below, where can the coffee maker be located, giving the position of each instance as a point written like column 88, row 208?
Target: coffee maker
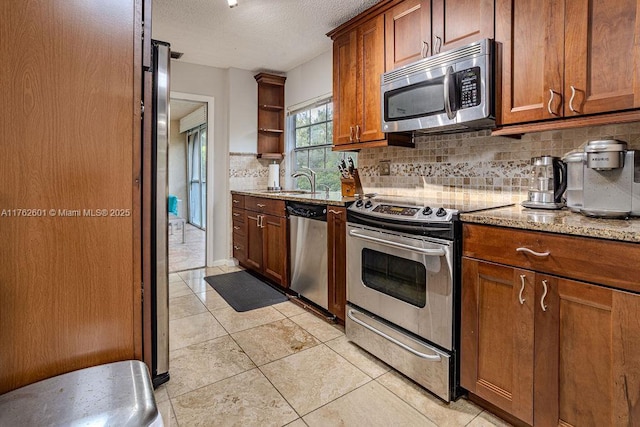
column 547, row 183
column 611, row 182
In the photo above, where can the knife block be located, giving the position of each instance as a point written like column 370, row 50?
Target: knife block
column 351, row 186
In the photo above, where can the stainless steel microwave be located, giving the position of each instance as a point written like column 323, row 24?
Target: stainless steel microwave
column 448, row 92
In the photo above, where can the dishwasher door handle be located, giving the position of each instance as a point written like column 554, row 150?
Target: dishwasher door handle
column 422, row 251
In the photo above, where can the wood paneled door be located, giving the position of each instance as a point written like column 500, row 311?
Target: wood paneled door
column 407, row 33
column 456, row 23
column 498, row 336
column 568, row 58
column 70, row 274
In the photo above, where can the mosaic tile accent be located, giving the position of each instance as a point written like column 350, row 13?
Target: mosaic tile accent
column 246, row 172
column 475, row 166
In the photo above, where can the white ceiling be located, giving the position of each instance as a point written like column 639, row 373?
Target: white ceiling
column 180, row 108
column 256, row 35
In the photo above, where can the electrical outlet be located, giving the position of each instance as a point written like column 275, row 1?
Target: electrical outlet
column 385, row 167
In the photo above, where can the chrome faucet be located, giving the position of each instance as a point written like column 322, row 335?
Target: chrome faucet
column 309, row 174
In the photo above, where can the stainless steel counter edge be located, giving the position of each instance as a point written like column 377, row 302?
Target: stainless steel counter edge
column 558, row 221
column 335, row 197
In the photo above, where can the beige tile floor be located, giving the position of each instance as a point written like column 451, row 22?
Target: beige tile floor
column 191, row 253
column 281, row 365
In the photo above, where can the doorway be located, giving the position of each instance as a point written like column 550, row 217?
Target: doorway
column 187, row 176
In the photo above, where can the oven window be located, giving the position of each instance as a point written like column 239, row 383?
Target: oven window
column 398, row 277
column 418, row 100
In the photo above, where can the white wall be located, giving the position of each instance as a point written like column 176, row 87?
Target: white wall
column 206, row 84
column 309, row 80
column 178, row 164
column 243, row 111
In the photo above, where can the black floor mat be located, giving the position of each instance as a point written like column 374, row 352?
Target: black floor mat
column 244, row 292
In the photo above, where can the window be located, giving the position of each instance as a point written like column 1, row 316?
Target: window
column 312, row 135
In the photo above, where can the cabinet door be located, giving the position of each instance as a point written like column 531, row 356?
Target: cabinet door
column 407, row 33
column 587, row 354
column 254, row 244
column 532, row 58
column 497, row 336
column 337, row 254
column 460, row 22
column 602, row 56
column 344, row 88
column 274, row 255
column 369, row 68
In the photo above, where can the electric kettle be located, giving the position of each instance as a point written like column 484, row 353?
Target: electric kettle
column 548, row 183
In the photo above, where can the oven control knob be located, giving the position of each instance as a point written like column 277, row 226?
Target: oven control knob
column 368, row 204
column 441, row 212
column 359, row 204
column 427, row 211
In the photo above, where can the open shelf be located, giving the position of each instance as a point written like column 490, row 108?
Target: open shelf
column 270, row 116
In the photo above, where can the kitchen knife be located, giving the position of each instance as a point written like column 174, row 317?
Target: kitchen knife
column 351, row 167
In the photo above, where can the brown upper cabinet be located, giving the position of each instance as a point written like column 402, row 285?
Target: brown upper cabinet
column 415, row 29
column 358, row 62
column 270, row 116
column 563, row 59
column 358, row 58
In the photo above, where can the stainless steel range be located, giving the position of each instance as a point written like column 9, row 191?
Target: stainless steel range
column 403, row 286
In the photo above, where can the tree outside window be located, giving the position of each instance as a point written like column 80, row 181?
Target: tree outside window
column 313, row 137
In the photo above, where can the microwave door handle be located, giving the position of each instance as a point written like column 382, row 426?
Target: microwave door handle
column 447, row 94
column 421, row 251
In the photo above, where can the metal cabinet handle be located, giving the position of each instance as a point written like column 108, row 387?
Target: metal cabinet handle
column 431, row 357
column 431, row 252
column 358, row 133
column 424, row 51
column 335, row 212
column 236, row 201
column 573, row 95
column 236, row 214
column 237, row 248
column 260, row 205
column 447, row 98
column 261, row 221
column 351, row 133
column 522, row 300
column 529, row 251
column 235, row 227
column 544, row 294
column 438, row 45
column 553, row 113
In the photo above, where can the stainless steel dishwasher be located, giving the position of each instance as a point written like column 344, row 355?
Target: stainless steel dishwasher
column 308, row 249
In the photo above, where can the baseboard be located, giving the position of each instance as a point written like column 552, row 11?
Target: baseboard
column 231, row 262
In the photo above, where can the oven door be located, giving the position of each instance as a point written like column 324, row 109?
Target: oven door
column 406, row 280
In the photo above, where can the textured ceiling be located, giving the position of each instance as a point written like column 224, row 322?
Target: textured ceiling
column 180, row 108
column 257, row 35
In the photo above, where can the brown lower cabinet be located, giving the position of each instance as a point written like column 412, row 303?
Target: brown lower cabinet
column 337, row 263
column 546, row 349
column 260, row 236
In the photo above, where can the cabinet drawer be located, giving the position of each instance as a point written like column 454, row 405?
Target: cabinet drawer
column 237, row 201
column 239, row 247
column 237, row 215
column 592, row 260
column 239, row 228
column 262, row 205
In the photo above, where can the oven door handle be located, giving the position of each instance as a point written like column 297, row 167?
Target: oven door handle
column 430, row 252
column 430, row 357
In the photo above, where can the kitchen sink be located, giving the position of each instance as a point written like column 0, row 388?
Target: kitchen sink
column 288, row 192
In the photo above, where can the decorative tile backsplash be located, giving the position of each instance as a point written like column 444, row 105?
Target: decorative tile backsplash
column 472, row 166
column 475, row 166
column 246, row 172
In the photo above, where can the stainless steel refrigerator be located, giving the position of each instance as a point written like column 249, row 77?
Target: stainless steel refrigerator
column 159, row 288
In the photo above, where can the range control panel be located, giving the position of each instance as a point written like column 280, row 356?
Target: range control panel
column 421, row 214
column 396, row 210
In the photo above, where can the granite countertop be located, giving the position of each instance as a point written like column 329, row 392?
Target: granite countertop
column 558, row 221
column 319, row 198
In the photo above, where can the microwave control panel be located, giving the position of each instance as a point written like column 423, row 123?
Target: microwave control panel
column 469, row 84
